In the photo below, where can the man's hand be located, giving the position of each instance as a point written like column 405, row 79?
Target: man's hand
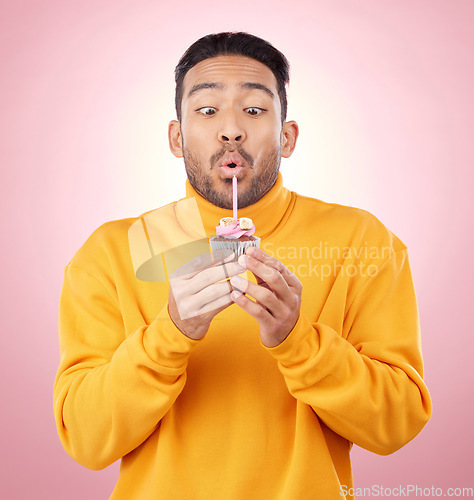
column 277, row 294
column 199, row 290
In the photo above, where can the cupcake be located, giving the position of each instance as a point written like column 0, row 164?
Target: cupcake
column 234, row 234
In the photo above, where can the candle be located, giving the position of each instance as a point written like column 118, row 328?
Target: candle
column 234, row 197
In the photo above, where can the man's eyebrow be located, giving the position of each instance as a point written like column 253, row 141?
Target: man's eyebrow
column 204, row 85
column 258, row 86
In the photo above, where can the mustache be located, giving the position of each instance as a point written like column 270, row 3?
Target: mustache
column 219, row 154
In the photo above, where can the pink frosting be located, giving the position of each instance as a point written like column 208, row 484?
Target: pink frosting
column 234, row 230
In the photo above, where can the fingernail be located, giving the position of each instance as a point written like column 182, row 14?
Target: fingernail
column 235, row 295
column 236, row 280
column 230, row 257
column 243, row 261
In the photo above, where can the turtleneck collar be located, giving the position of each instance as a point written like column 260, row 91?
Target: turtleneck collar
column 267, row 213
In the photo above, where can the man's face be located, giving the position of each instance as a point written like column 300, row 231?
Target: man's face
column 231, row 126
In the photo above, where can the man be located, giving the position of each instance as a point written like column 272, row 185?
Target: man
column 259, row 389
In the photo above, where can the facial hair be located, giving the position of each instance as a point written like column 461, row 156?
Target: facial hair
column 261, row 182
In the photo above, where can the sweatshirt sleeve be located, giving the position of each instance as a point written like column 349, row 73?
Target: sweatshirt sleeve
column 112, row 389
column 366, row 384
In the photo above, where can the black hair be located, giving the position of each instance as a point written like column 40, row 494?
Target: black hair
column 234, row 43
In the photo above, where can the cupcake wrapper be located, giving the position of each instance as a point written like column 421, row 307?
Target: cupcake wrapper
column 238, row 247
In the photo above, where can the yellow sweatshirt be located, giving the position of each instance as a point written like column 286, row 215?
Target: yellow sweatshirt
column 225, row 417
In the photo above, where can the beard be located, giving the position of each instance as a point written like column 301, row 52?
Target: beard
column 260, row 184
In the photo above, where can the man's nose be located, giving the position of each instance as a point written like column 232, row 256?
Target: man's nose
column 231, row 131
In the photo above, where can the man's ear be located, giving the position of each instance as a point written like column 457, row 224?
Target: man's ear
column 175, row 138
column 290, row 132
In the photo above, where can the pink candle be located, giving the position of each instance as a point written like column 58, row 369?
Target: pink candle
column 234, row 197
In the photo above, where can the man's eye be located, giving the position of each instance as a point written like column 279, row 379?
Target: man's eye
column 254, row 111
column 207, row 111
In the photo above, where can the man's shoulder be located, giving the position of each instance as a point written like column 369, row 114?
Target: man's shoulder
column 110, row 231
column 110, row 240
column 118, row 229
column 334, row 210
column 107, row 239
column 347, row 221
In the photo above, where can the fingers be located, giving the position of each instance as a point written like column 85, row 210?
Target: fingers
column 277, row 295
column 206, row 300
column 276, row 316
column 210, row 294
column 273, row 274
column 198, row 281
column 271, row 263
column 213, row 275
column 262, row 295
column 201, row 262
column 217, row 305
column 255, row 309
column 201, row 285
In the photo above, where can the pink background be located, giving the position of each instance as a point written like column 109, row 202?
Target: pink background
column 383, row 93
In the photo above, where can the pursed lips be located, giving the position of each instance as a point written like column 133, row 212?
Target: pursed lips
column 231, row 160
column 231, row 165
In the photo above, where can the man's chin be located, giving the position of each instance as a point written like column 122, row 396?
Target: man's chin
column 217, row 189
column 218, row 192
